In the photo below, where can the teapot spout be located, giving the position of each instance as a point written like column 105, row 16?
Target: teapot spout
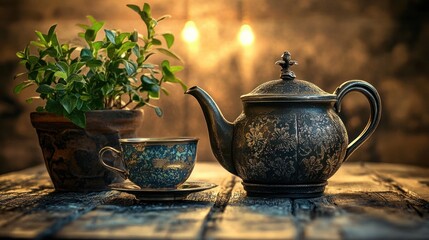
column 220, row 130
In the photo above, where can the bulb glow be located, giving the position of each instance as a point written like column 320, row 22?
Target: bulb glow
column 190, row 32
column 246, row 36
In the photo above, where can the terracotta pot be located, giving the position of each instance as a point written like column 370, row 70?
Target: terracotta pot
column 71, row 153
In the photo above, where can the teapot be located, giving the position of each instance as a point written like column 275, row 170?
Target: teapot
column 288, row 140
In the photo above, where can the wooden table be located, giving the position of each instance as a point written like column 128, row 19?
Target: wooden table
column 361, row 201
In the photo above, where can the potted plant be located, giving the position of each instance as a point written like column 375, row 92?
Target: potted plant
column 93, row 94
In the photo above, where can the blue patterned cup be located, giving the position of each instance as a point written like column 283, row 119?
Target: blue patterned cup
column 154, row 162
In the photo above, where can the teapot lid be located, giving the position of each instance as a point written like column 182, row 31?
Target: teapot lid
column 288, row 89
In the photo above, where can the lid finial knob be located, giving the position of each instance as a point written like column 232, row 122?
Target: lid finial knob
column 285, row 63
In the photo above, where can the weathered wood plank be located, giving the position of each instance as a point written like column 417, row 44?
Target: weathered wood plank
column 150, row 220
column 254, row 218
column 353, row 195
column 409, row 179
column 361, row 201
column 43, row 215
column 125, row 217
column 374, row 208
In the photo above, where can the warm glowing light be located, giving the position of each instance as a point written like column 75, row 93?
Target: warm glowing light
column 246, row 36
column 190, row 32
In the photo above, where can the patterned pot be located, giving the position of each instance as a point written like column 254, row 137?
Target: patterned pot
column 71, row 153
column 289, row 139
column 155, row 163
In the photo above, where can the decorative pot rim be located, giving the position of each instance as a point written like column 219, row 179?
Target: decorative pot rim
column 158, row 140
column 45, row 116
column 96, row 119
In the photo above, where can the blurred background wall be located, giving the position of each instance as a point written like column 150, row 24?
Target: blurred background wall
column 384, row 42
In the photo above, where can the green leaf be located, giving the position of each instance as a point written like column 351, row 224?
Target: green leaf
column 169, row 75
column 78, row 118
column 33, row 60
column 163, row 17
column 41, row 38
column 56, row 45
column 75, row 78
column 60, row 87
column 182, row 84
column 51, row 32
column 53, row 106
column 130, row 67
column 40, row 109
column 106, row 89
column 52, row 52
column 146, row 9
column 86, row 54
column 60, row 74
column 63, row 67
column 94, row 63
column 176, row 68
column 96, row 25
column 111, row 51
column 158, row 111
column 147, row 80
column 97, row 45
column 165, row 64
column 135, row 8
column 85, row 98
column 136, row 51
column 90, row 35
column 148, row 55
column 19, row 75
column 168, row 53
column 110, row 36
column 154, row 92
column 69, row 103
column 83, row 26
column 136, row 98
column 79, row 104
column 18, row 88
column 32, row 75
column 21, row 55
column 125, row 47
column 45, row 89
column 37, row 44
column 148, row 66
column 120, row 38
column 76, row 67
column 134, row 37
column 169, row 39
column 156, row 42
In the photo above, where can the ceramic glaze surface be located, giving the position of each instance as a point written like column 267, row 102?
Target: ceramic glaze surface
column 154, row 163
column 159, row 166
column 289, row 145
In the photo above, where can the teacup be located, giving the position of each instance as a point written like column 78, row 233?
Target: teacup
column 154, row 162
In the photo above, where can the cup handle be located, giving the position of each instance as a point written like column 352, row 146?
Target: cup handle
column 375, row 103
column 116, row 153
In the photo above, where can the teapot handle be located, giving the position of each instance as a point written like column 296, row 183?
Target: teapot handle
column 375, row 103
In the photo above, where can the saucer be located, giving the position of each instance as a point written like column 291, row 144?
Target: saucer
column 159, row 194
column 289, row 191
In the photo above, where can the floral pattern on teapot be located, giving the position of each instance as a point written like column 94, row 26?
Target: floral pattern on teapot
column 290, row 148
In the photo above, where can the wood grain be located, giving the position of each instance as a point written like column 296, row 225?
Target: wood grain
column 361, row 201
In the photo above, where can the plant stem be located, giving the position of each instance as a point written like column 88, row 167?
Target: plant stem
column 125, row 105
